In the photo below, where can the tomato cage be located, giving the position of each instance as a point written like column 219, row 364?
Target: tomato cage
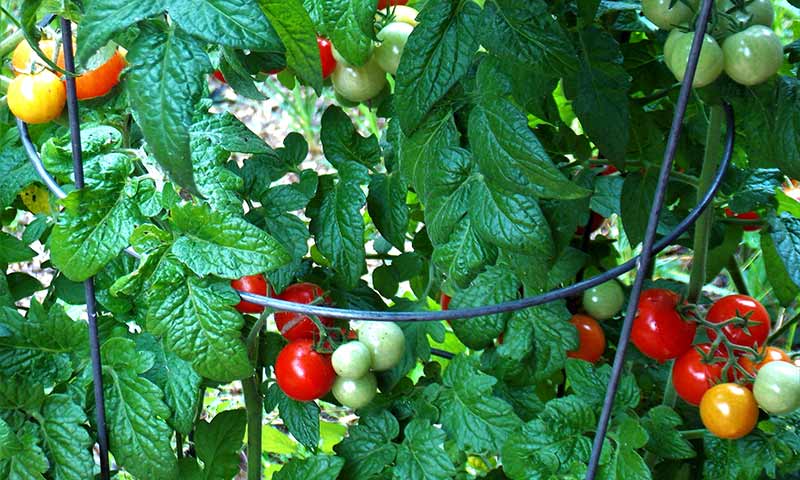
column 650, row 247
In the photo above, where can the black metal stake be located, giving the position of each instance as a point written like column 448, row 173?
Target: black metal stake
column 91, row 311
column 650, row 237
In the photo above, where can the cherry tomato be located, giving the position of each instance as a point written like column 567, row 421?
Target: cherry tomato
column 355, row 392
column 729, row 411
column 609, row 170
column 745, row 216
column 37, row 98
column 709, row 65
column 692, row 376
column 768, row 355
column 219, row 76
column 753, row 55
column 659, row 12
column 444, row 301
column 385, row 341
column 740, row 306
column 399, row 13
column 255, row 284
column 755, row 12
column 100, row 81
column 604, row 301
column 777, row 388
column 669, row 46
column 659, row 331
column 25, row 60
column 595, row 222
column 358, row 84
column 351, row 360
column 591, row 339
column 295, row 326
column 303, row 373
column 326, row 57
column 393, row 39
column 385, row 3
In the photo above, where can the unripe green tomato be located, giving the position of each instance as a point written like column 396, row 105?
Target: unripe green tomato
column 709, row 65
column 351, row 360
column 604, row 301
column 777, row 388
column 393, row 39
column 669, row 46
column 753, row 55
column 385, row 341
column 358, row 84
column 355, row 392
column 757, row 12
column 658, row 12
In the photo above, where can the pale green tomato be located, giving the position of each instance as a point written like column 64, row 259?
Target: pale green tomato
column 777, row 388
column 753, row 55
column 757, row 12
column 658, row 12
column 351, row 360
column 709, row 65
column 604, row 301
column 669, row 46
column 392, row 40
column 355, row 392
column 385, row 341
column 358, row 84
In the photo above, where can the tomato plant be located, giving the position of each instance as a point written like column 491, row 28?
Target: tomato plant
column 752, row 326
column 777, row 388
column 392, row 155
column 745, row 216
column 729, row 411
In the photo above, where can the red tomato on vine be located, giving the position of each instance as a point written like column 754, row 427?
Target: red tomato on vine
column 591, row 339
column 255, row 284
column 659, row 331
column 741, row 306
column 745, row 216
column 385, row 3
column 692, row 376
column 303, row 373
column 296, row 326
column 326, row 56
column 768, row 355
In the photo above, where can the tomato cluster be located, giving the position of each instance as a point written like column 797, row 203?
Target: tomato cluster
column 37, row 94
column 741, row 43
column 718, row 376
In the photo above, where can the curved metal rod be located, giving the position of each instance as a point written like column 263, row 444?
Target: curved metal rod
column 510, row 306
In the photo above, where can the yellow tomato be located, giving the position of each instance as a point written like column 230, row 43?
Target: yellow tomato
column 37, row 98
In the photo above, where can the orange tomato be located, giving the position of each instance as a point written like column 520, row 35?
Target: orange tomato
column 100, row 81
column 37, row 98
column 770, row 354
column 24, row 59
column 729, row 411
column 591, row 339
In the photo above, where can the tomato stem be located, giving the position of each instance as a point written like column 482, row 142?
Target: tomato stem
column 735, row 271
column 693, row 434
column 8, row 44
column 254, row 405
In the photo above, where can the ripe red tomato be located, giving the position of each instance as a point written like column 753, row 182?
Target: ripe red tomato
column 770, row 354
column 692, row 376
column 659, row 331
column 255, row 284
column 729, row 411
column 385, row 3
column 444, row 301
column 591, row 339
column 745, row 216
column 303, row 373
column 326, row 56
column 740, row 306
column 609, row 170
column 296, row 326
column 219, row 76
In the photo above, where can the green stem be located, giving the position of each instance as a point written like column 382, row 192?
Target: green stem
column 254, row 405
column 790, row 337
column 8, row 44
column 670, row 395
column 179, row 444
column 692, row 434
column 687, row 179
column 736, row 275
column 702, row 230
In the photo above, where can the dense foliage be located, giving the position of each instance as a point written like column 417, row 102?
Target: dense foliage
column 511, row 147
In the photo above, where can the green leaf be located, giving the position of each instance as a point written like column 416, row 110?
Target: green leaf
column 219, row 185
column 164, row 80
column 197, row 320
column 218, row 443
column 495, row 285
column 601, row 93
column 423, row 150
column 752, row 188
column 102, row 19
column 511, row 158
column 661, row 424
column 232, row 23
column 338, row 225
column 301, row 418
column 785, row 234
column 350, row 24
column 464, row 254
column 525, row 33
column 292, row 196
column 28, row 461
column 441, row 50
column 96, row 140
column 589, row 384
column 418, row 345
column 93, row 229
column 448, row 188
column 368, row 447
column 342, row 143
column 227, row 132
column 16, row 173
column 9, row 442
column 470, row 414
column 783, row 286
column 66, row 438
column 13, row 250
column 386, row 203
column 295, row 29
column 177, row 379
column 552, row 444
column 553, row 337
column 139, row 437
column 223, row 245
column 606, row 198
column 421, row 456
column 318, row 467
column 637, row 198
column 746, row 458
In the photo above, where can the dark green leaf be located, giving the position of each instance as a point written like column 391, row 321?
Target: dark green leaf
column 342, row 143
column 422, row 151
column 16, row 173
column 66, row 438
column 218, row 443
column 495, row 285
column 665, row 441
column 234, row 23
column 13, row 250
column 589, row 384
column 386, row 203
column 318, row 467
column 301, row 418
column 368, row 447
column 350, row 24
column 421, row 456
